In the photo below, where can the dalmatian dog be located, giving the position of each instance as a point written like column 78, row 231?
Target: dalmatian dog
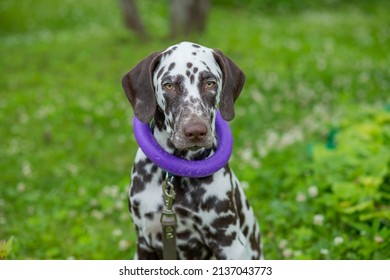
column 180, row 89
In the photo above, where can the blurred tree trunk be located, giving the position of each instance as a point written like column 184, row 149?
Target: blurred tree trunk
column 132, row 19
column 188, row 16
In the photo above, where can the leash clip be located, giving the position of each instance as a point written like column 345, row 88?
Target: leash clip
column 168, row 192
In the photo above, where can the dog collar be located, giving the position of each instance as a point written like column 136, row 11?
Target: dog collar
column 182, row 167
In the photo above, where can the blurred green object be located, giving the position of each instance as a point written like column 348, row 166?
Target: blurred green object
column 331, row 139
column 357, row 168
column 5, row 247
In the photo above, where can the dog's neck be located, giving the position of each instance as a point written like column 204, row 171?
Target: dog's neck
column 162, row 137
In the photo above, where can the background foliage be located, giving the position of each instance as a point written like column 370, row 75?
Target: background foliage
column 311, row 130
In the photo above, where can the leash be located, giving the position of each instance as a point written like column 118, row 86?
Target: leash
column 168, row 220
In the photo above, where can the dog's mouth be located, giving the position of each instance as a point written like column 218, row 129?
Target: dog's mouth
column 183, row 143
column 195, row 148
column 192, row 147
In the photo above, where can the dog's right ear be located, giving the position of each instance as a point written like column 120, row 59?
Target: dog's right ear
column 138, row 86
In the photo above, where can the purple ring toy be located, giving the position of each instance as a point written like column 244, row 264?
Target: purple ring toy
column 182, row 167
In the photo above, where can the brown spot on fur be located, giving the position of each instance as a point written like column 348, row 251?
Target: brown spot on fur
column 171, row 66
column 245, row 231
column 160, row 72
column 135, row 209
column 237, row 197
column 222, row 206
column 186, row 234
column 223, row 221
column 149, row 216
column 254, row 240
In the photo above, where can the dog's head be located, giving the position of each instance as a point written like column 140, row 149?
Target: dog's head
column 187, row 82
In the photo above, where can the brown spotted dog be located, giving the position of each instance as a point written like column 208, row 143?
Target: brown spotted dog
column 180, row 89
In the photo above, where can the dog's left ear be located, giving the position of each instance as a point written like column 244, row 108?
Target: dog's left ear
column 233, row 82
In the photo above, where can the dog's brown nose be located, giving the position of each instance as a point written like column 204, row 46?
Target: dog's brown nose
column 195, row 132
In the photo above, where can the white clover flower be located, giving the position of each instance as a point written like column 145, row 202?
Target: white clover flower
column 112, row 191
column 287, row 253
column 292, row 136
column 124, row 216
column 244, row 184
column 261, row 150
column 301, row 197
column 283, row 244
column 122, row 139
column 82, row 191
column 23, row 118
column 318, row 220
column 272, row 138
column 123, row 245
column 117, row 232
column 93, row 202
column 97, row 214
column 115, row 191
column 21, row 187
column 248, row 157
column 44, row 111
column 119, row 205
column 14, row 147
column 257, row 96
column 72, row 168
column 378, row 239
column 297, row 253
column 72, row 213
column 338, row 240
column 26, row 169
column 31, row 210
column 313, row 191
column 324, row 251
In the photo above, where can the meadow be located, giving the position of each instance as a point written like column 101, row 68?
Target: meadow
column 311, row 132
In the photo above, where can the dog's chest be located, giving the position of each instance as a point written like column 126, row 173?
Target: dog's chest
column 198, row 204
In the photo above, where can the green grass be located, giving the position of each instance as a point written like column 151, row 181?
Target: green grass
column 67, row 147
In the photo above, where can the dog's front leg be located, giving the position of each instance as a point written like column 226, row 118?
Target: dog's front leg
column 144, row 252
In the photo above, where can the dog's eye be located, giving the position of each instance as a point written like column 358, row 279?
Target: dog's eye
column 168, row 86
column 210, row 84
